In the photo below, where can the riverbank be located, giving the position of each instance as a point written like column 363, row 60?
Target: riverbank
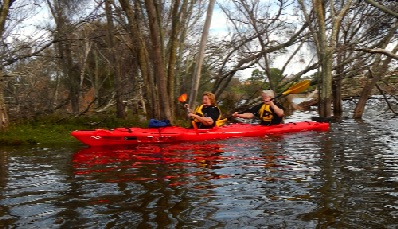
column 56, row 130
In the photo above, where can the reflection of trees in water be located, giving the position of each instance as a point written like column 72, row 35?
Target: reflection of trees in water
column 292, row 179
column 272, row 151
column 4, row 210
column 159, row 183
column 176, row 162
column 326, row 212
column 349, row 184
column 3, row 169
column 345, row 178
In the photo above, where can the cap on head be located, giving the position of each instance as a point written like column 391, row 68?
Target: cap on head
column 269, row 93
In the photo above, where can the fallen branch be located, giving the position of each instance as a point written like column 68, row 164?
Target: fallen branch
column 87, row 108
column 378, row 50
column 385, row 98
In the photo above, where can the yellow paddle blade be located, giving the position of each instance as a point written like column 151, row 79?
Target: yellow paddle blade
column 298, row 87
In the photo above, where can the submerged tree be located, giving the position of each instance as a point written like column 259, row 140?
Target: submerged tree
column 325, row 36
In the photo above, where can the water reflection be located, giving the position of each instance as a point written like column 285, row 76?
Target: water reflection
column 174, row 164
column 161, row 184
column 226, row 183
column 343, row 178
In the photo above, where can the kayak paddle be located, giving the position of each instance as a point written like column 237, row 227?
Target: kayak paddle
column 296, row 88
column 182, row 99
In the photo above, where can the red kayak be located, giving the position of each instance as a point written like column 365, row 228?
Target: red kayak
column 171, row 134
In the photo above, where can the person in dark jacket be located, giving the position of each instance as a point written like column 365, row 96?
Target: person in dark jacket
column 207, row 115
column 269, row 113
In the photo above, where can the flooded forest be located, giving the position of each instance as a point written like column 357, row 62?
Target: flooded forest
column 135, row 58
column 112, row 61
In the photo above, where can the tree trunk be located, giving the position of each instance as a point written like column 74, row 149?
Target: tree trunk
column 114, row 64
column 323, row 54
column 180, row 85
column 65, row 54
column 198, row 67
column 171, row 68
column 336, row 87
column 139, row 46
column 4, row 122
column 95, row 76
column 379, row 68
column 325, row 51
column 325, row 106
column 73, row 74
column 159, row 70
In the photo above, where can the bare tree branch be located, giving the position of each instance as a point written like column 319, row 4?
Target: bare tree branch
column 386, row 99
column 382, row 8
column 35, row 53
column 380, row 51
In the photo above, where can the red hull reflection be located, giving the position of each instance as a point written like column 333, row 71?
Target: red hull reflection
column 175, row 163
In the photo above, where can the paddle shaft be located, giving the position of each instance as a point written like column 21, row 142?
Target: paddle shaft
column 192, row 120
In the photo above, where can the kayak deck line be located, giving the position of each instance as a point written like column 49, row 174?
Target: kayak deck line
column 170, row 134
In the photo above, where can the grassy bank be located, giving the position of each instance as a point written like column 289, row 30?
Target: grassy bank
column 56, row 130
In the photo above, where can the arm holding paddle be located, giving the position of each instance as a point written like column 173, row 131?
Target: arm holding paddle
column 205, row 120
column 243, row 115
column 277, row 110
column 271, row 113
column 205, row 115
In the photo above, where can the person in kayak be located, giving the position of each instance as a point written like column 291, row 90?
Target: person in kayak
column 207, row 115
column 269, row 113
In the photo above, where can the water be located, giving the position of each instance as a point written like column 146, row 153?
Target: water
column 344, row 178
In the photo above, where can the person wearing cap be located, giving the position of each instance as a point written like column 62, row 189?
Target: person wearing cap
column 269, row 113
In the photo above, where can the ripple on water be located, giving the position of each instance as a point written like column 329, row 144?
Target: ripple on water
column 343, row 178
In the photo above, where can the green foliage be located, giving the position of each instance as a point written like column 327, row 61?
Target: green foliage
column 257, row 75
column 55, row 130
column 275, row 78
column 260, row 80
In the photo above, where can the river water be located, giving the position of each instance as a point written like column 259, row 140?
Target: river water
column 346, row 177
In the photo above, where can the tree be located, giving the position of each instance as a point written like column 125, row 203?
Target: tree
column 199, row 61
column 139, row 49
column 382, row 8
column 63, row 32
column 377, row 70
column 4, row 11
column 365, row 33
column 158, row 59
column 114, row 60
column 259, row 33
column 326, row 44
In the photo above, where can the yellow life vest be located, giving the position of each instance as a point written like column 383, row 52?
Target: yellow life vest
column 218, row 122
column 265, row 113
